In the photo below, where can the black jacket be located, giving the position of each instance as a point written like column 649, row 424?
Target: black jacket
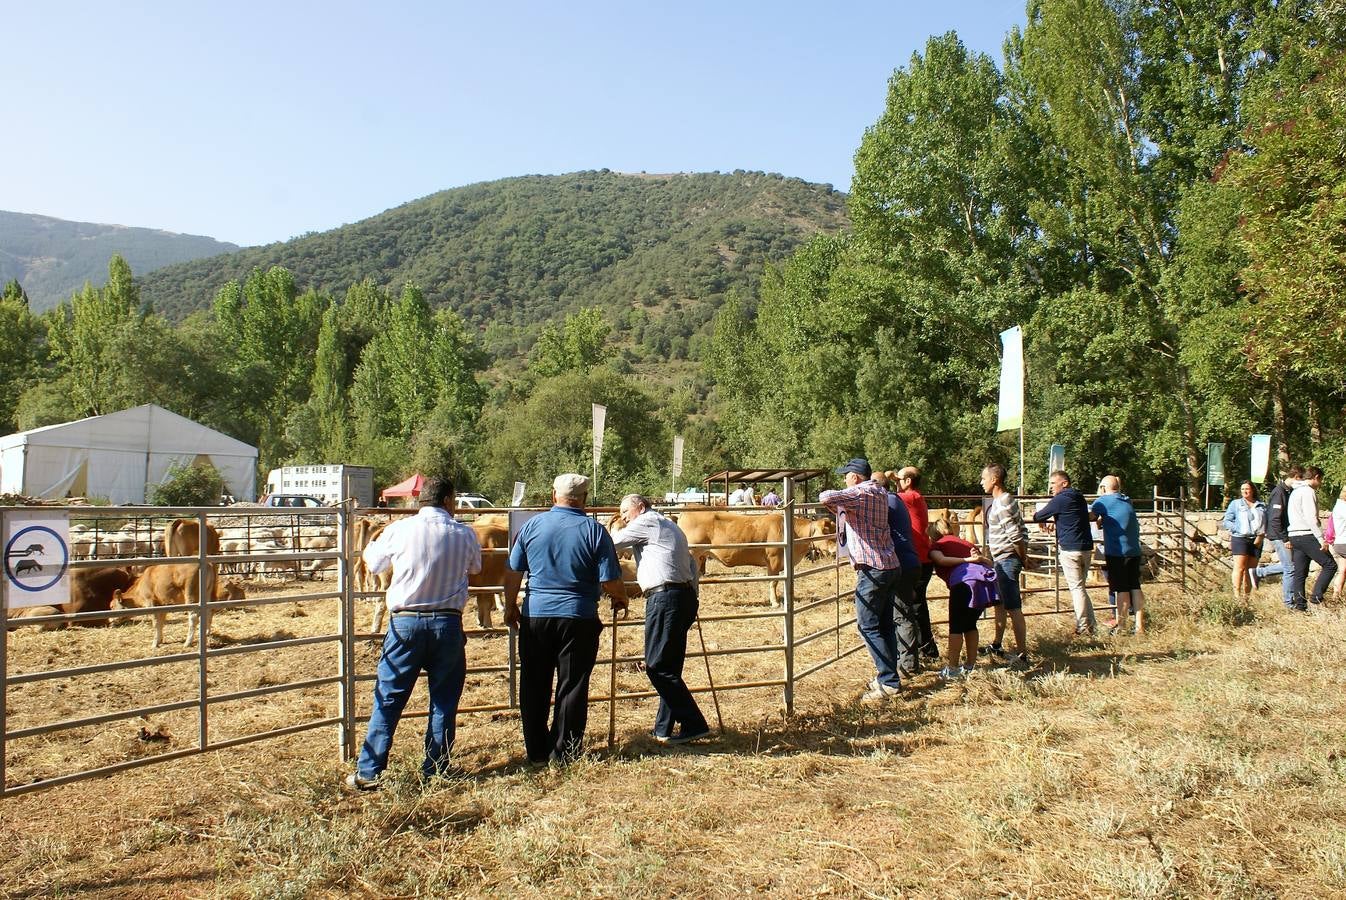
column 1277, row 522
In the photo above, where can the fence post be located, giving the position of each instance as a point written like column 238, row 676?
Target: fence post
column 205, row 589
column 4, row 670
column 788, row 592
column 345, row 630
column 1182, row 535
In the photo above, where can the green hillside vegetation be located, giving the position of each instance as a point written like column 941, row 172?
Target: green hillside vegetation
column 52, row 258
column 1153, row 194
column 657, row 253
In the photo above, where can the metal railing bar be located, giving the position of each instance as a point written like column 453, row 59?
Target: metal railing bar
column 34, row 730
column 828, row 662
column 239, row 649
column 273, row 689
column 123, row 665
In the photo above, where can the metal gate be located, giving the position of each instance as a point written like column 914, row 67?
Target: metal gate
column 43, row 743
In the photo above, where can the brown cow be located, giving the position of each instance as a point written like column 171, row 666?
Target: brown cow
column 162, row 585
column 91, row 590
column 704, row 528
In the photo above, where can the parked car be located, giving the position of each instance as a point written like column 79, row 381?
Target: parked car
column 695, row 496
column 297, row 500
column 473, row 501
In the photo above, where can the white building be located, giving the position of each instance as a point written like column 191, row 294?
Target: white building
column 120, row 456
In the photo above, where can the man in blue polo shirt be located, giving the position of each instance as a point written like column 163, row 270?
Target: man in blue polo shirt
column 1121, row 547
column 1075, row 545
column 569, row 558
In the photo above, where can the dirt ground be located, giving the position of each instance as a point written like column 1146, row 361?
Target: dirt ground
column 1203, row 759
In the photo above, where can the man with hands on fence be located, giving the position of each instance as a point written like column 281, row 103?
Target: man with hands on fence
column 570, row 559
column 861, row 509
column 667, row 575
column 431, row 555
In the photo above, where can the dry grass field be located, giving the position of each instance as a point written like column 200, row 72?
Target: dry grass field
column 1202, row 760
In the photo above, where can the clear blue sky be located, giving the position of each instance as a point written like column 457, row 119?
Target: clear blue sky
column 255, row 122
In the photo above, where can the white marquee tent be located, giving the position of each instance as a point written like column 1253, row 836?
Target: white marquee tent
column 120, row 456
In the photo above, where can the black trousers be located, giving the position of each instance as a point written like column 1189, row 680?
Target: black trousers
column 1304, row 547
column 907, row 623
column 669, row 613
column 921, row 609
column 564, row 650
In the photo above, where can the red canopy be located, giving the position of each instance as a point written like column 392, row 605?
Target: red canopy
column 409, row 488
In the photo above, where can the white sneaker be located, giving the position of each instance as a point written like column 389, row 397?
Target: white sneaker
column 879, row 692
column 950, row 673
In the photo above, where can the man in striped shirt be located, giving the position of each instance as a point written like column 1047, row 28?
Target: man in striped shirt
column 862, row 523
column 431, row 555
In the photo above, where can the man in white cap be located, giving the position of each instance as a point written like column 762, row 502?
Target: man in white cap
column 569, row 558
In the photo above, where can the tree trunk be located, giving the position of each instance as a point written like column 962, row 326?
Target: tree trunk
column 1194, row 461
column 1278, row 425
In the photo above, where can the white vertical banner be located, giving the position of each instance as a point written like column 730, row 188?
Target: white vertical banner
column 677, row 455
column 1261, row 457
column 517, row 497
column 1011, row 380
column 600, row 419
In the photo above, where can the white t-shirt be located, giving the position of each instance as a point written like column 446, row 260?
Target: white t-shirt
column 741, row 497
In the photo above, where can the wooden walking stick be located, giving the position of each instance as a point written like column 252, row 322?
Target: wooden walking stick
column 714, row 695
column 612, row 688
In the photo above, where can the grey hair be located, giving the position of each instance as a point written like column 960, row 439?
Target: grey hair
column 636, row 498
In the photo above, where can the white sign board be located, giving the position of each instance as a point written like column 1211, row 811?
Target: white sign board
column 517, row 497
column 36, row 559
column 1011, row 408
column 677, row 456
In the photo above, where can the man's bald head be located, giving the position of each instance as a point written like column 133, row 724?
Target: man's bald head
column 1110, row 484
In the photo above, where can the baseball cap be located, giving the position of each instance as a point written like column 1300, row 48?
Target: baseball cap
column 859, row 465
column 571, row 485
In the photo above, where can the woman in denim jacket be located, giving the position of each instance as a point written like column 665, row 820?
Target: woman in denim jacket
column 1246, row 522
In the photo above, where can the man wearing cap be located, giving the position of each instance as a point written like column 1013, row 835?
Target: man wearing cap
column 431, row 555
column 667, row 575
column 569, row 558
column 861, row 509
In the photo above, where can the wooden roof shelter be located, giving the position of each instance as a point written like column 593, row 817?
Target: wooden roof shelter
column 756, row 476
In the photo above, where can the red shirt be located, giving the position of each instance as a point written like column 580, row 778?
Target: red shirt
column 950, row 545
column 920, row 522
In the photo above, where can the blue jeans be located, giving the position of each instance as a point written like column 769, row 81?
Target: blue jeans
column 1283, row 568
column 669, row 613
column 875, row 594
column 412, row 644
column 1007, row 580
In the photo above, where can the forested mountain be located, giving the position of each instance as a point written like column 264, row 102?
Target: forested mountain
column 52, row 258
column 657, row 253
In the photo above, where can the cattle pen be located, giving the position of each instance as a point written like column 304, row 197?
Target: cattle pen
column 309, row 667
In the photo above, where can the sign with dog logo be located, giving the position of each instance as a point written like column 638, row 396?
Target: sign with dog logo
column 36, row 559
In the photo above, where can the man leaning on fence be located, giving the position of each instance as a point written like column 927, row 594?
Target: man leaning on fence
column 1068, row 514
column 667, row 575
column 569, row 558
column 1121, row 549
column 862, row 518
column 431, row 555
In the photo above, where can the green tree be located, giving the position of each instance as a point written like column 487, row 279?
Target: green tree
column 576, row 346
column 18, row 351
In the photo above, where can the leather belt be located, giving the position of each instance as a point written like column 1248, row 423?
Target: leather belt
column 669, row 585
column 429, row 613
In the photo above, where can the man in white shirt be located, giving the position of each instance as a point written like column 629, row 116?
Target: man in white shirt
column 431, row 555
column 667, row 575
column 744, row 496
column 1306, row 539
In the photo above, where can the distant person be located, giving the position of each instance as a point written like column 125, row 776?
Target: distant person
column 1245, row 520
column 953, row 557
column 570, row 559
column 1067, row 514
column 1007, row 540
column 1278, row 535
column 1306, row 540
column 431, row 555
column 1338, row 541
column 1116, row 515
column 744, row 496
column 906, row 629
column 908, row 482
column 668, row 578
column 861, row 509
column 772, row 499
